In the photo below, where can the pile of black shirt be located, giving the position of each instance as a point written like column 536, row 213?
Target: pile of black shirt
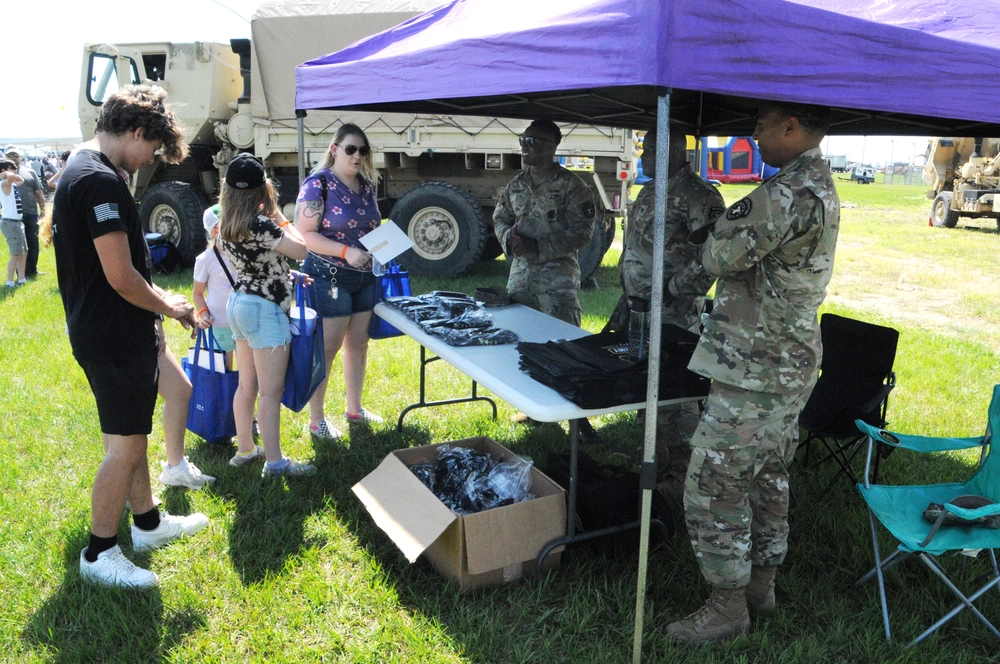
column 467, row 481
column 455, row 318
column 596, row 372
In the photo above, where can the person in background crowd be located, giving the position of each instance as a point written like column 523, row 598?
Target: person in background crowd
column 104, row 272
column 256, row 238
column 11, row 223
column 336, row 207
column 33, row 202
column 772, row 253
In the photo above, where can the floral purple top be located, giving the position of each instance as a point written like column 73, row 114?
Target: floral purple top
column 348, row 216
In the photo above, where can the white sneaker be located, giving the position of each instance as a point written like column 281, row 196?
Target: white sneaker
column 171, row 528
column 239, row 460
column 185, row 474
column 112, row 568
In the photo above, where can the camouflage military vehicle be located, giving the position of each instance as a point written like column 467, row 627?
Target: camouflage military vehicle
column 440, row 174
column 964, row 179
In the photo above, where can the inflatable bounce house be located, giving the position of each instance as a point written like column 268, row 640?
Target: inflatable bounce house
column 737, row 161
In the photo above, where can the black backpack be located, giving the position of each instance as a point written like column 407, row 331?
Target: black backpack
column 607, row 496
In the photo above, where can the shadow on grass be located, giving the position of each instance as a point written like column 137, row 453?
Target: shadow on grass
column 270, row 513
column 80, row 622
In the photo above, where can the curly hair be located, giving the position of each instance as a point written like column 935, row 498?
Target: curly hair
column 144, row 107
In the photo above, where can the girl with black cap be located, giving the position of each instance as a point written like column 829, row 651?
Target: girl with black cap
column 257, row 238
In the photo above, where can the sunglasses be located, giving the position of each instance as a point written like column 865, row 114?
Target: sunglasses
column 531, row 141
column 349, row 150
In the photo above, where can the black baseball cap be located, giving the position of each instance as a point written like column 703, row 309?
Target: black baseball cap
column 245, row 171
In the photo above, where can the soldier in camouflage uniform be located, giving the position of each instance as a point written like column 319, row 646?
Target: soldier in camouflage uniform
column 773, row 255
column 692, row 204
column 543, row 217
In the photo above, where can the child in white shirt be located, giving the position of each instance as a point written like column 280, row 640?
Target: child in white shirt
column 213, row 272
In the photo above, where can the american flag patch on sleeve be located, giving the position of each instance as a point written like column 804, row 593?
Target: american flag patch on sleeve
column 106, row 211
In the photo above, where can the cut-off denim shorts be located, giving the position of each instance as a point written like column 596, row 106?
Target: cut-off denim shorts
column 260, row 322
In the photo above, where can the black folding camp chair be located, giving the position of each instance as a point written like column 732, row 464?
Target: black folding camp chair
column 854, row 384
column 966, row 517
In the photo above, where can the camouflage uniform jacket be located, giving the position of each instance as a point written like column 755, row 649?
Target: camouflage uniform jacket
column 773, row 254
column 558, row 213
column 692, row 204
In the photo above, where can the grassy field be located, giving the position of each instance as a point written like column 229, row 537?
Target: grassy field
column 297, row 572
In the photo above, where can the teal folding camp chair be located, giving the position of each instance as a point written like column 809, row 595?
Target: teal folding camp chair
column 901, row 510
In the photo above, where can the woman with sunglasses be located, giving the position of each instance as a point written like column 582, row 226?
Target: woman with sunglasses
column 336, row 207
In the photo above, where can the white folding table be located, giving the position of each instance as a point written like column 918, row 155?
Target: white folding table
column 496, row 368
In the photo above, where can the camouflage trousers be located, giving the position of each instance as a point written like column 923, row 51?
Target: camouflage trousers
column 736, row 492
column 675, row 425
column 562, row 304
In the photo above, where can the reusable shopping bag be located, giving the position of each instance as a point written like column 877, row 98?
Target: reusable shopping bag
column 394, row 283
column 306, row 362
column 210, row 409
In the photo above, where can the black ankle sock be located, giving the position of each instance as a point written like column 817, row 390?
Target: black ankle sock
column 99, row 545
column 148, row 520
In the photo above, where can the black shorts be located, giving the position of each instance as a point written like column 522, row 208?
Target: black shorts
column 125, row 389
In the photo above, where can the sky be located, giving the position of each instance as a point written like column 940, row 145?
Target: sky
column 49, row 73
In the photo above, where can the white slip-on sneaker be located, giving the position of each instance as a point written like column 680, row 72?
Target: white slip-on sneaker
column 112, row 568
column 185, row 474
column 239, row 460
column 171, row 528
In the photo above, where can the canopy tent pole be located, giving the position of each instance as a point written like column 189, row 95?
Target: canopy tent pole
column 300, row 118
column 647, row 474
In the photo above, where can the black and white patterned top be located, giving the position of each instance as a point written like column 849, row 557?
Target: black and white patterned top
column 260, row 270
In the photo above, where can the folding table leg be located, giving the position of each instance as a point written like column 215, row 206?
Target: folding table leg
column 424, row 403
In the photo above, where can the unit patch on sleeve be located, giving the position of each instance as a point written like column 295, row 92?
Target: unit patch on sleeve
column 739, row 209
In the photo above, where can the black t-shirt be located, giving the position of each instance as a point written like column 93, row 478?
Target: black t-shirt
column 92, row 200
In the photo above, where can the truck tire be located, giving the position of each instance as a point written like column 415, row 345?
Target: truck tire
column 590, row 257
column 941, row 213
column 446, row 226
column 174, row 210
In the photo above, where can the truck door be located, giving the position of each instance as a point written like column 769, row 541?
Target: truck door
column 109, row 68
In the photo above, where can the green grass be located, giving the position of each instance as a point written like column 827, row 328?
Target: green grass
column 297, row 572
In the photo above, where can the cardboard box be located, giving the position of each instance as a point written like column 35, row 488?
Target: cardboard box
column 487, row 548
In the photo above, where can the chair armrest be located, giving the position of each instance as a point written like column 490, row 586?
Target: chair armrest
column 919, row 444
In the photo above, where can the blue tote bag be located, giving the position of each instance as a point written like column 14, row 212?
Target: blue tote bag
column 210, row 409
column 306, row 362
column 395, row 282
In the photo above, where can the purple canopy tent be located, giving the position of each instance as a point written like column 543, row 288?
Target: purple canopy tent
column 911, row 67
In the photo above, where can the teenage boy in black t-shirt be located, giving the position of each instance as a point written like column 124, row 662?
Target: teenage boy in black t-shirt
column 111, row 304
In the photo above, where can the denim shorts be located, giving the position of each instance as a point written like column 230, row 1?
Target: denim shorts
column 261, row 323
column 355, row 289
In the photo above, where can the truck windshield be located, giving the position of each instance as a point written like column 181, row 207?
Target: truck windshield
column 103, row 77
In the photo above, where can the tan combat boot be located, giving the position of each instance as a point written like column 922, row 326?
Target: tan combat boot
column 760, row 590
column 723, row 617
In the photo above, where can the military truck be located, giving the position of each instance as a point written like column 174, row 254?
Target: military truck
column 964, row 179
column 441, row 174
